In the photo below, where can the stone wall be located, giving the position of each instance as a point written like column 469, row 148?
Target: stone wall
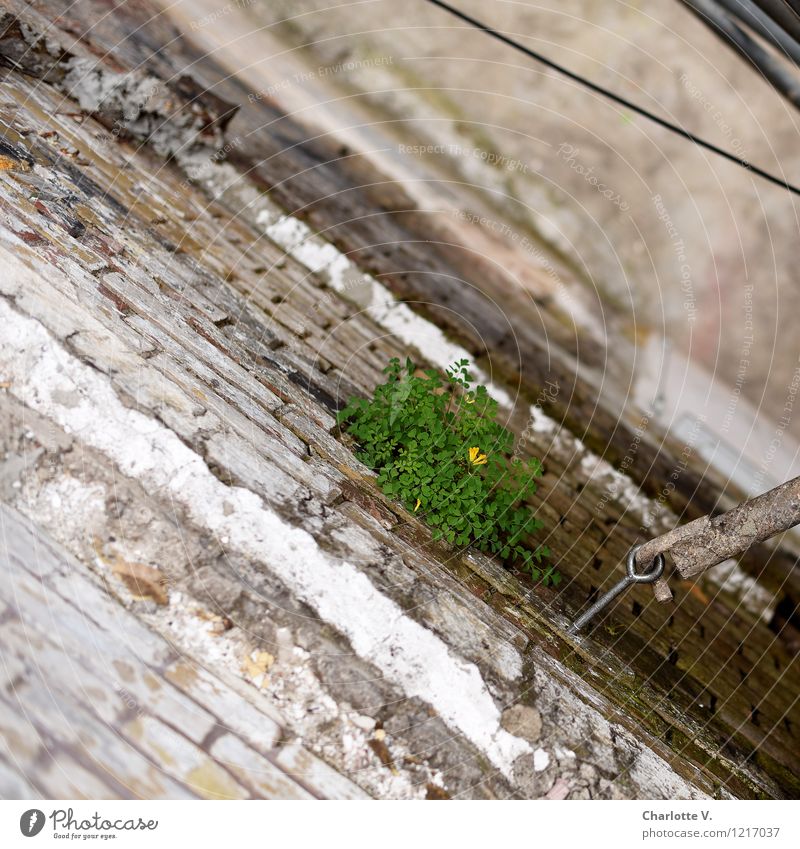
column 206, row 594
column 656, row 239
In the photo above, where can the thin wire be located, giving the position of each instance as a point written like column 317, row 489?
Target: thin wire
column 640, row 110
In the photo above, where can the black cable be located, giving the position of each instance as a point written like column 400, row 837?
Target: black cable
column 714, row 16
column 662, row 122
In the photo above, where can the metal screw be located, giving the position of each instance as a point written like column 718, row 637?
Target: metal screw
column 631, row 578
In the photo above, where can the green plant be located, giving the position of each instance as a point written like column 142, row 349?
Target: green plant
column 438, row 448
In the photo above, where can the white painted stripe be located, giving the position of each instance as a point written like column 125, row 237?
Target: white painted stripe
column 321, row 257
column 47, row 378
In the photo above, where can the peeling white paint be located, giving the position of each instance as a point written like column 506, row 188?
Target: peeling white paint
column 562, row 753
column 321, row 257
column 82, row 401
column 621, row 489
column 300, row 698
column 540, row 422
column 729, row 577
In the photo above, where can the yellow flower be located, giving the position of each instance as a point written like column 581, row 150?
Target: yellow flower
column 476, row 458
column 470, row 399
column 416, row 506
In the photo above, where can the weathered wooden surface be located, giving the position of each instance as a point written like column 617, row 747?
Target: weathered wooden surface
column 439, row 273
column 708, row 541
column 728, row 535
column 167, row 292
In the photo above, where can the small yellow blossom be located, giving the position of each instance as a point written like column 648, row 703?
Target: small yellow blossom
column 476, row 458
column 470, row 399
column 416, row 506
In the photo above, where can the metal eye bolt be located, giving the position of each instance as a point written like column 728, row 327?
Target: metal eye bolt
column 633, row 577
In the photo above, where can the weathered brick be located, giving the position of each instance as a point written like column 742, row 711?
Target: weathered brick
column 313, row 772
column 256, row 771
column 235, row 713
column 14, row 786
column 182, row 760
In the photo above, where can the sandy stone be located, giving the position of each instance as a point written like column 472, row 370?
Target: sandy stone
column 523, row 721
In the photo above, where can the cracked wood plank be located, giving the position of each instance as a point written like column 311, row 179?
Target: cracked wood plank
column 709, row 540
